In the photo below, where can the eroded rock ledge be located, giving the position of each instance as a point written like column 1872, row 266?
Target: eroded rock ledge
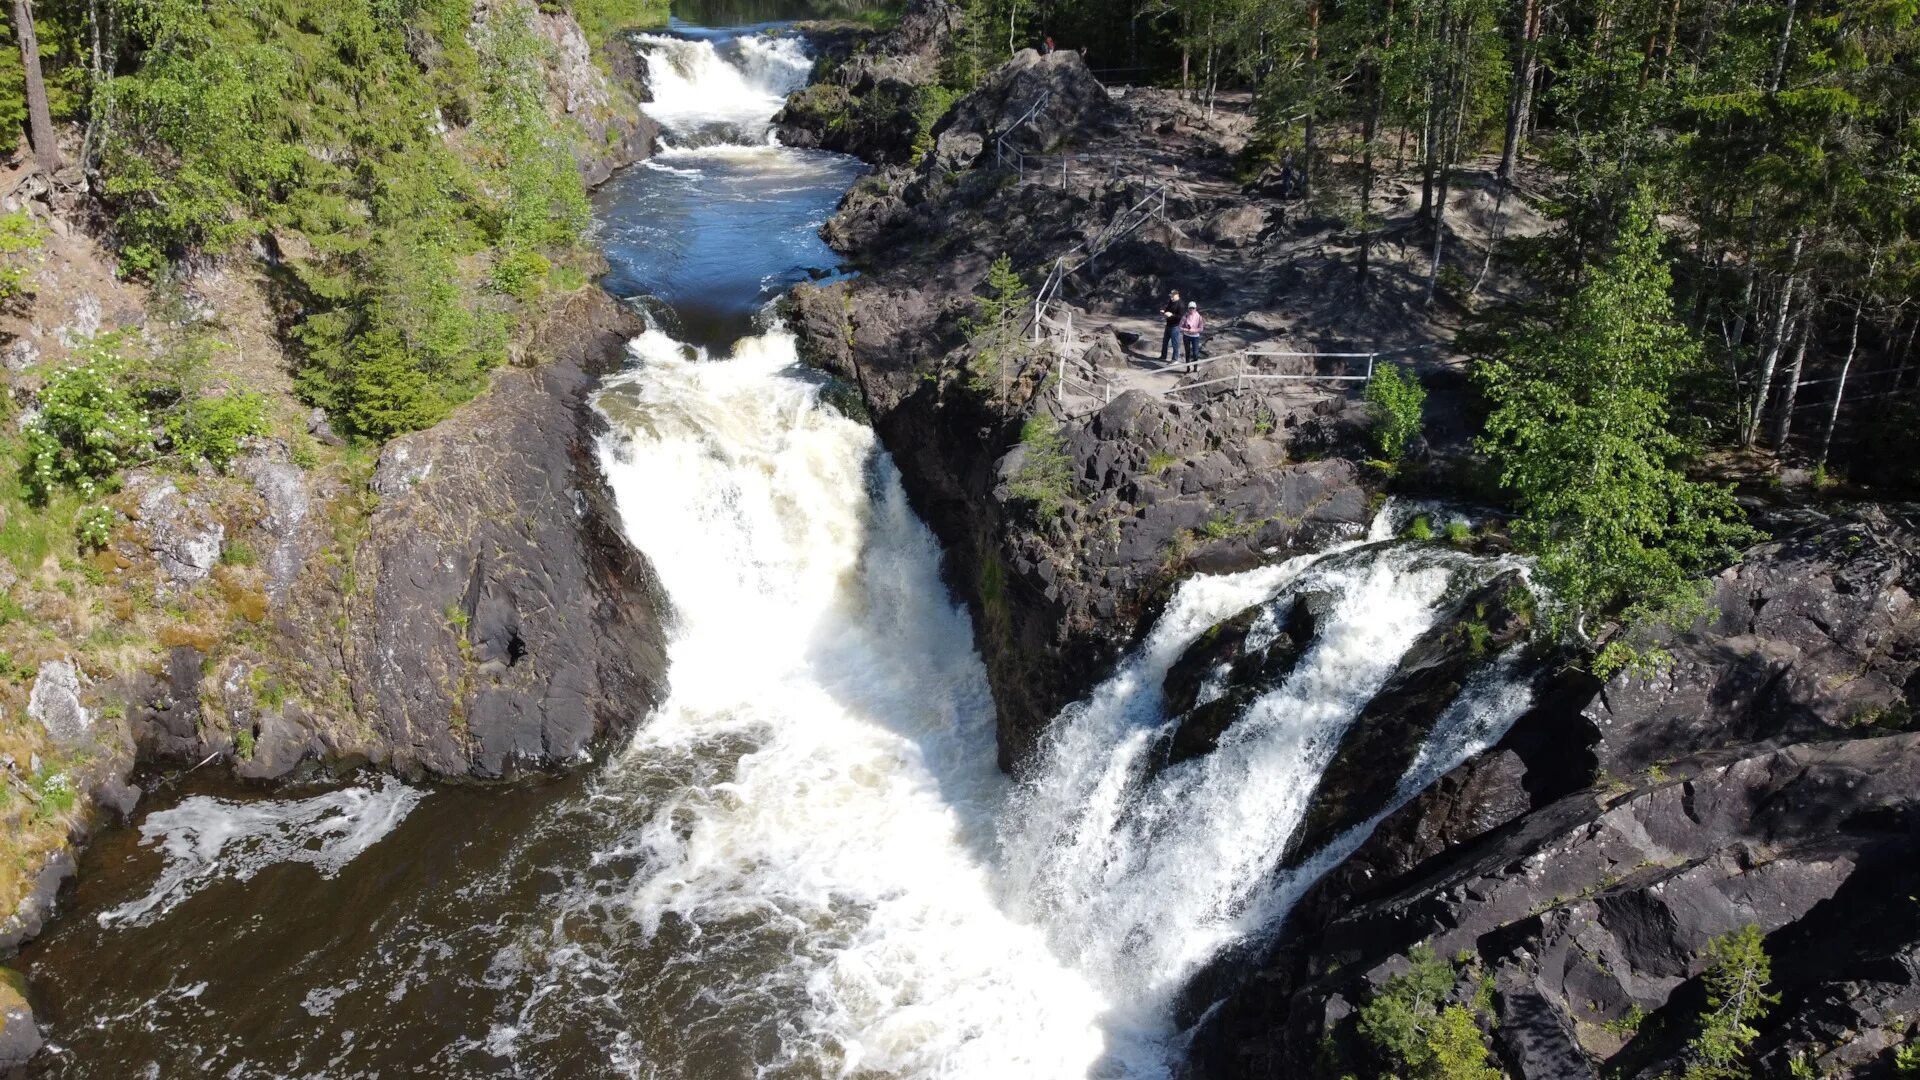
column 1150, row 488
column 1770, row 776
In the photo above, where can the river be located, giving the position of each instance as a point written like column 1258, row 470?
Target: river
column 805, row 863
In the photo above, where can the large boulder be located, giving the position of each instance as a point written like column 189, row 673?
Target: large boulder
column 55, row 703
column 182, row 532
column 1815, row 634
column 19, row 1035
column 1039, row 103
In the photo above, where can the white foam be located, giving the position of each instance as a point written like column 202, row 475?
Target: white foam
column 703, row 95
column 205, row 839
column 812, row 629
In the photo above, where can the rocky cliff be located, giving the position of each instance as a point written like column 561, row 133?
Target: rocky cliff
column 1767, row 777
column 1065, row 522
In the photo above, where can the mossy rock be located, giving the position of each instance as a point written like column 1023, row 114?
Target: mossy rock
column 19, row 1034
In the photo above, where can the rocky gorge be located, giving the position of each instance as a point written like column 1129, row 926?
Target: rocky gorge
column 1579, row 865
column 1177, row 884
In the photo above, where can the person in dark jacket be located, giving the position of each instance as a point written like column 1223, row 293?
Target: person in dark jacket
column 1170, row 340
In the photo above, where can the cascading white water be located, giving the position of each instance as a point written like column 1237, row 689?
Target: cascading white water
column 953, row 926
column 953, row 930
column 707, row 92
column 1143, row 877
column 813, row 639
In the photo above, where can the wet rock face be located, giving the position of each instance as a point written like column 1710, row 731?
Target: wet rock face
column 164, row 710
column 37, row 907
column 507, row 624
column 1590, row 900
column 1387, row 736
column 1232, row 665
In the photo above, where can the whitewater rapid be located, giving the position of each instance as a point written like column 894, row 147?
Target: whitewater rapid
column 813, row 640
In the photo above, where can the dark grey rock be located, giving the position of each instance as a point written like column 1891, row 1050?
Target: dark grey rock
column 37, row 906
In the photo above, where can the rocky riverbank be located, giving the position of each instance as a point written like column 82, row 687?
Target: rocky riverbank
column 463, row 607
column 1766, row 777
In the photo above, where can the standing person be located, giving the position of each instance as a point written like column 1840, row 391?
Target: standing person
column 1170, row 340
column 1191, row 327
column 1049, row 44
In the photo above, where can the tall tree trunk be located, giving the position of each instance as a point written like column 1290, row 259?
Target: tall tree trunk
column 1310, row 137
column 1840, row 388
column 1790, row 388
column 1774, row 344
column 1780, row 51
column 39, row 118
column 1376, row 99
column 1522, row 78
column 1666, row 50
column 1455, row 97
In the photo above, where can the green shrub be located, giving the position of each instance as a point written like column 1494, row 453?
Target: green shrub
column 1459, row 533
column 930, row 103
column 57, row 794
column 1410, row 1023
column 1420, row 529
column 1738, row 970
column 522, row 275
column 92, row 423
column 243, row 744
column 212, row 427
column 994, row 325
column 20, row 240
column 94, row 527
column 1396, row 399
column 1045, row 477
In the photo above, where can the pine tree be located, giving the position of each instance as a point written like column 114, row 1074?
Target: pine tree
column 1581, row 435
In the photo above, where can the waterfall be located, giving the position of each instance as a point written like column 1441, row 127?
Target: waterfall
column 805, row 862
column 1141, row 876
column 831, row 733
column 831, row 736
column 726, row 92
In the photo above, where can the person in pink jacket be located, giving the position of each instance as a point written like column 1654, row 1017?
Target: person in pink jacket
column 1191, row 327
